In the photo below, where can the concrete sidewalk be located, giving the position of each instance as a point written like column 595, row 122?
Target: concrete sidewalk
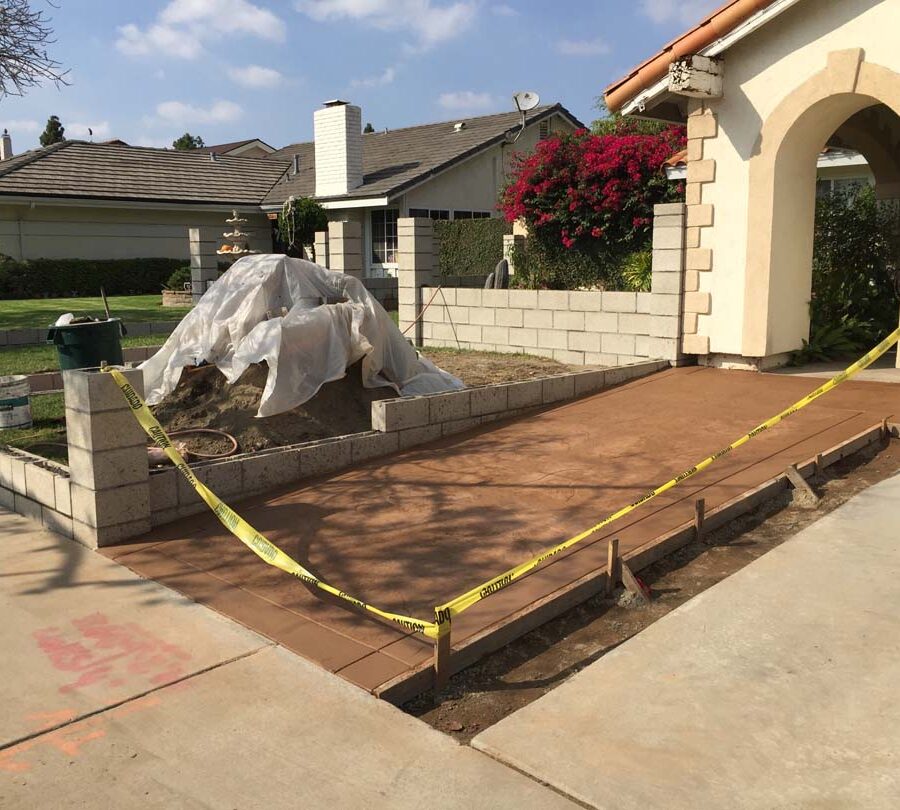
column 118, row 693
column 778, row 687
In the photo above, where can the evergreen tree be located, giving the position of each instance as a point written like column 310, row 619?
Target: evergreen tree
column 188, row 141
column 54, row 132
column 368, row 128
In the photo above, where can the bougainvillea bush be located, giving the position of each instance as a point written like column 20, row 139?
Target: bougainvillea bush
column 593, row 194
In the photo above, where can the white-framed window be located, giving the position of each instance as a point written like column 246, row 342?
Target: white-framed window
column 839, row 185
column 383, row 242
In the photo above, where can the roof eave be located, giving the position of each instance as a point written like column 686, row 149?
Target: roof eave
column 647, row 85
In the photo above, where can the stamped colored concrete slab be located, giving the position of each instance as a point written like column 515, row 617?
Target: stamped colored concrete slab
column 80, row 633
column 409, row 532
column 775, row 688
column 268, row 731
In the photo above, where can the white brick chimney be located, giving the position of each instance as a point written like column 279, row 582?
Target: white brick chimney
column 338, row 135
column 6, row 151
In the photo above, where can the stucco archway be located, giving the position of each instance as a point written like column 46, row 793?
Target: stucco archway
column 782, row 196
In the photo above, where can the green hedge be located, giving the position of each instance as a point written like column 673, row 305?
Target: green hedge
column 470, row 247
column 541, row 266
column 58, row 278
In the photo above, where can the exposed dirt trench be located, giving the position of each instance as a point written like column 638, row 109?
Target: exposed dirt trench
column 539, row 661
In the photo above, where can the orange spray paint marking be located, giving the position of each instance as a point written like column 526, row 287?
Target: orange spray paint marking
column 99, row 651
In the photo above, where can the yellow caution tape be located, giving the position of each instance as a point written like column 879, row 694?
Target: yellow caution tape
column 454, row 607
column 273, row 555
column 250, row 537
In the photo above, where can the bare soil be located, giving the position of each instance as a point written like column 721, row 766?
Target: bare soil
column 531, row 666
column 484, row 368
column 203, row 399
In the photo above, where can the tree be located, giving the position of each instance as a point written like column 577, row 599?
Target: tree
column 54, row 132
column 593, row 193
column 24, row 61
column 298, row 222
column 368, row 127
column 187, row 142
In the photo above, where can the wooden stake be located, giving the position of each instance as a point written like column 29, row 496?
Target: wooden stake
column 699, row 516
column 820, row 467
column 612, row 565
column 800, row 482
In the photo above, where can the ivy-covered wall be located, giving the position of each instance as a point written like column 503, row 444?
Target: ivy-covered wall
column 470, row 247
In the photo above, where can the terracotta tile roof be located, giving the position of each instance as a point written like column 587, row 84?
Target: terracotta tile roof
column 721, row 22
column 76, row 169
column 399, row 158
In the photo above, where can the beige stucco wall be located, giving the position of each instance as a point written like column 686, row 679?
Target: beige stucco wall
column 760, row 73
column 473, row 185
column 91, row 232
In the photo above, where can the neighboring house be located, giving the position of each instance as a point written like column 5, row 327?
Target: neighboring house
column 110, row 200
column 838, row 170
column 253, row 147
column 447, row 170
column 763, row 86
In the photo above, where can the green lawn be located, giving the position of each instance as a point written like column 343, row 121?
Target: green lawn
column 32, row 312
column 47, row 436
column 32, row 359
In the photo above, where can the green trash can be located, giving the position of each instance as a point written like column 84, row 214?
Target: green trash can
column 87, row 345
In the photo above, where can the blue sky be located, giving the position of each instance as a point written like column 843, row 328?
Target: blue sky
column 147, row 71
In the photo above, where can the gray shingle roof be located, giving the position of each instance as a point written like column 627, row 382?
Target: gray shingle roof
column 392, row 161
column 116, row 172
column 399, row 158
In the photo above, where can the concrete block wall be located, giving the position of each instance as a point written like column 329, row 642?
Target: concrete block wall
column 572, row 326
column 108, row 464
column 575, row 327
column 204, row 260
column 37, row 336
column 36, row 488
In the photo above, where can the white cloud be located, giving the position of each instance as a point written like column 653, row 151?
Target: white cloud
column 225, row 16
column 219, row 112
column 466, row 101
column 76, row 130
column 504, row 10
column 21, row 125
column 184, row 25
column 428, row 22
column 133, row 41
column 255, row 76
column 684, row 12
column 387, row 76
column 582, row 47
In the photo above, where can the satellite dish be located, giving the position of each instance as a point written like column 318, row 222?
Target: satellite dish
column 526, row 100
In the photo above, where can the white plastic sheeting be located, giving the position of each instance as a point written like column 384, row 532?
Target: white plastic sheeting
column 309, row 346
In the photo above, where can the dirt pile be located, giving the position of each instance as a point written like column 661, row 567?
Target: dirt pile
column 203, row 399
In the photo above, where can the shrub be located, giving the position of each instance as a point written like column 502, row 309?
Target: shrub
column 593, row 193
column 179, row 278
column 470, row 247
column 853, row 282
column 542, row 266
column 637, row 271
column 298, row 221
column 52, row 278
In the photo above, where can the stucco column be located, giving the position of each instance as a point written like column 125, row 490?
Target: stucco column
column 667, row 284
column 107, row 459
column 416, row 268
column 345, row 248
column 204, row 261
column 512, row 243
column 321, row 246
